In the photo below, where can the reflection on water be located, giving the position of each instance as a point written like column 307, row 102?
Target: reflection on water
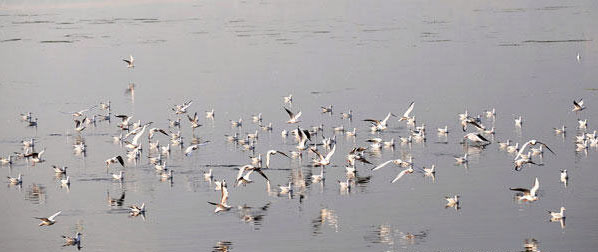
column 223, row 246
column 326, row 216
column 530, row 245
column 388, row 235
column 253, row 216
column 36, row 194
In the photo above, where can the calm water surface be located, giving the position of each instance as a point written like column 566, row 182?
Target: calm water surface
column 240, row 58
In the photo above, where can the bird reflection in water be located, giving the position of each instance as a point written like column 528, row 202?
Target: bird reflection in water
column 223, row 246
column 326, row 216
column 530, row 245
column 36, row 194
column 116, row 201
column 253, row 216
column 386, row 234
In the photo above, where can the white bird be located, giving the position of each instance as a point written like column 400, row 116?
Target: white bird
column 513, row 148
column 504, row 145
column 135, row 143
column 137, row 210
column 532, row 142
column 462, row 160
column 315, row 178
column 190, row 149
column 583, row 124
column 294, row 118
column 476, row 138
column 288, row 99
column 578, row 58
column 210, row 114
column 182, row 108
column 398, row 162
column 194, row 121
column 303, row 135
column 490, row 113
column 528, row 194
column 348, row 115
column 321, row 159
column 166, row 175
column 452, row 201
column 379, row 125
column 405, row 116
column 351, row 133
column 207, row 176
column 161, row 167
column 222, row 206
column 17, row 180
column 238, row 123
column 402, row 173
column 118, row 176
column 326, row 109
column 286, row 189
column 35, row 156
column 28, row 143
column 271, row 153
column 48, row 221
column 26, row 117
column 130, row 61
column 564, row 176
column 6, row 160
column 578, row 106
column 518, row 122
column 443, row 131
column 244, row 178
column 152, row 131
column 66, row 182
column 344, row 185
column 79, row 148
column 113, row 160
column 557, row 215
column 72, row 241
column 430, row 171
column 59, row 170
column 560, row 130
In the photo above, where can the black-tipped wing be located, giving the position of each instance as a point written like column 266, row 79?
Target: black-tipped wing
column 525, row 190
column 120, row 160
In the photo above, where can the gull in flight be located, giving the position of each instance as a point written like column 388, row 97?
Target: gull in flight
column 48, row 221
column 194, row 121
column 379, row 125
column 405, row 116
column 532, row 142
column 398, row 162
column 66, row 182
column 452, row 201
column 72, row 241
column 113, row 160
column 402, row 173
column 35, row 156
column 326, row 109
column 528, row 194
column 294, row 118
column 210, row 114
column 518, row 122
column 182, row 109
column 152, row 131
column 244, row 179
column 564, row 177
column 476, row 138
column 321, row 159
column 130, row 61
column 288, row 99
column 578, row 105
column 194, row 147
column 304, row 135
column 222, row 206
column 137, row 210
column 271, row 153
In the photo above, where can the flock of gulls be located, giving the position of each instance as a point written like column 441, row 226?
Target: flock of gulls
column 310, row 142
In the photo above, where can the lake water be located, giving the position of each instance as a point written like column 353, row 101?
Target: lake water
column 241, row 58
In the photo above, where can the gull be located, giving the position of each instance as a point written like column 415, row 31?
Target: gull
column 207, row 176
column 271, row 153
column 6, row 160
column 472, row 121
column 137, row 210
column 174, row 123
column 152, row 131
column 222, row 206
column 462, row 160
column 266, row 127
column 284, row 133
column 564, row 176
column 35, row 156
column 79, row 126
column 518, row 122
column 538, row 151
column 244, row 179
column 161, row 167
column 257, row 118
column 28, row 144
column 528, row 194
column 405, row 140
column 48, row 221
column 490, row 113
column 398, row 162
column 379, row 125
column 452, row 201
column 327, row 142
column 218, row 185
column 376, row 143
column 407, row 112
column 557, row 215
column 286, row 189
column 194, row 121
column 583, row 124
column 257, row 160
column 524, row 160
column 356, row 154
column 304, row 135
column 16, row 181
column 504, row 145
column 154, row 146
column 166, row 175
column 113, row 160
column 348, row 115
column 326, row 109
column 26, row 117
column 165, row 149
column 430, row 171
column 321, row 159
column 582, row 146
column 288, row 99
column 560, row 130
column 232, row 138
column 135, row 143
column 513, row 148
column 463, row 116
column 351, row 133
column 72, row 241
column 402, row 173
column 339, row 129
column 253, row 135
column 79, row 148
column 490, row 131
column 59, row 170
column 443, row 131
column 105, row 105
column 125, row 119
column 294, row 118
column 350, row 171
column 66, row 182
column 155, row 160
column 194, row 147
column 210, row 114
column 578, row 106
column 182, row 109
column 477, row 138
column 316, row 178
column 118, row 176
column 130, row 61
column 344, row 185
column 238, row 123
column 532, row 142
column 81, row 112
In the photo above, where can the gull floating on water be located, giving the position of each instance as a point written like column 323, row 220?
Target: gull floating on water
column 557, row 215
column 72, row 241
column 462, row 160
column 564, row 176
column 137, row 210
column 518, row 122
column 560, row 130
column 528, row 194
column 210, row 114
column 443, row 131
column 17, row 180
column 288, row 99
column 66, row 182
column 48, row 221
column 452, row 201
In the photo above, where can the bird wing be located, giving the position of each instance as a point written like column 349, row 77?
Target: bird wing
column 320, row 156
column 54, row 216
column 224, row 196
column 282, row 153
column 240, row 174
column 406, row 114
column 543, row 144
column 381, row 165
column 289, row 112
column 482, row 138
column 399, row 175
column 262, row 173
column 329, row 155
column 297, row 115
column 525, row 190
column 522, row 149
column 128, row 61
column 372, row 121
column 120, row 160
column 535, row 187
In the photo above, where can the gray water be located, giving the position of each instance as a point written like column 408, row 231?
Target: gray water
column 241, row 58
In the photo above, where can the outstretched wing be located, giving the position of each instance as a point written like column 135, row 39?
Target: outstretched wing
column 382, row 165
column 406, row 114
